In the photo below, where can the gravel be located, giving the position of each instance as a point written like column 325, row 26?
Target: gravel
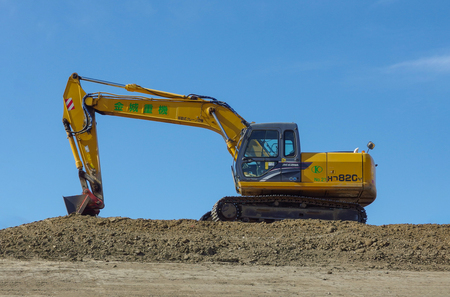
column 282, row 243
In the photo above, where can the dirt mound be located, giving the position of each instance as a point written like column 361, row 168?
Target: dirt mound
column 289, row 242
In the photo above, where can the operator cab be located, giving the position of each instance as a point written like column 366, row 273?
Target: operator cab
column 269, row 152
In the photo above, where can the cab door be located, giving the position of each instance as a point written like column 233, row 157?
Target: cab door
column 290, row 160
column 260, row 158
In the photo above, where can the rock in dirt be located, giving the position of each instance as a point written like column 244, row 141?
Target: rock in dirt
column 288, row 242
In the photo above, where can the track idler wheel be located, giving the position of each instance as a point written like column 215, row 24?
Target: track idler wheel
column 225, row 211
column 206, row 217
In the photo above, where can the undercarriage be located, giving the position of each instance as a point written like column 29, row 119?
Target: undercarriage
column 275, row 208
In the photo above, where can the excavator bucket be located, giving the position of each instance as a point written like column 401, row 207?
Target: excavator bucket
column 86, row 204
column 76, row 203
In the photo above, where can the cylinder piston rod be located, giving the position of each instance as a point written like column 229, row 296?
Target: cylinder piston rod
column 212, row 112
column 98, row 81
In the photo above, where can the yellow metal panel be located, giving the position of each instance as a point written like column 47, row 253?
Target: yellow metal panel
column 317, row 171
column 344, row 168
column 369, row 180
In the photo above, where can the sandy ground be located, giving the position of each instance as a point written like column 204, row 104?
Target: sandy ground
column 90, row 256
column 97, row 278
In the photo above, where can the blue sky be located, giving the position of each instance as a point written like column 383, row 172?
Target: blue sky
column 347, row 72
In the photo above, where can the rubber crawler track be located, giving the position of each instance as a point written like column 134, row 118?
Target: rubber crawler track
column 269, row 201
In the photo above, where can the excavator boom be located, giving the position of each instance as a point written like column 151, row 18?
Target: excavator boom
column 80, row 109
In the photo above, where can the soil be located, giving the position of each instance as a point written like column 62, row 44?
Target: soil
column 118, row 256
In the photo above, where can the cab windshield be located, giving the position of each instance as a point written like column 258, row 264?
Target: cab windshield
column 262, row 143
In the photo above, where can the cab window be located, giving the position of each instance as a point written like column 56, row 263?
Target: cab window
column 257, row 168
column 262, row 143
column 289, row 143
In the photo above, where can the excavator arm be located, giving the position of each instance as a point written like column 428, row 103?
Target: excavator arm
column 80, row 110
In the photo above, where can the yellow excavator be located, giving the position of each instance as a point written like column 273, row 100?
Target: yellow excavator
column 274, row 178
